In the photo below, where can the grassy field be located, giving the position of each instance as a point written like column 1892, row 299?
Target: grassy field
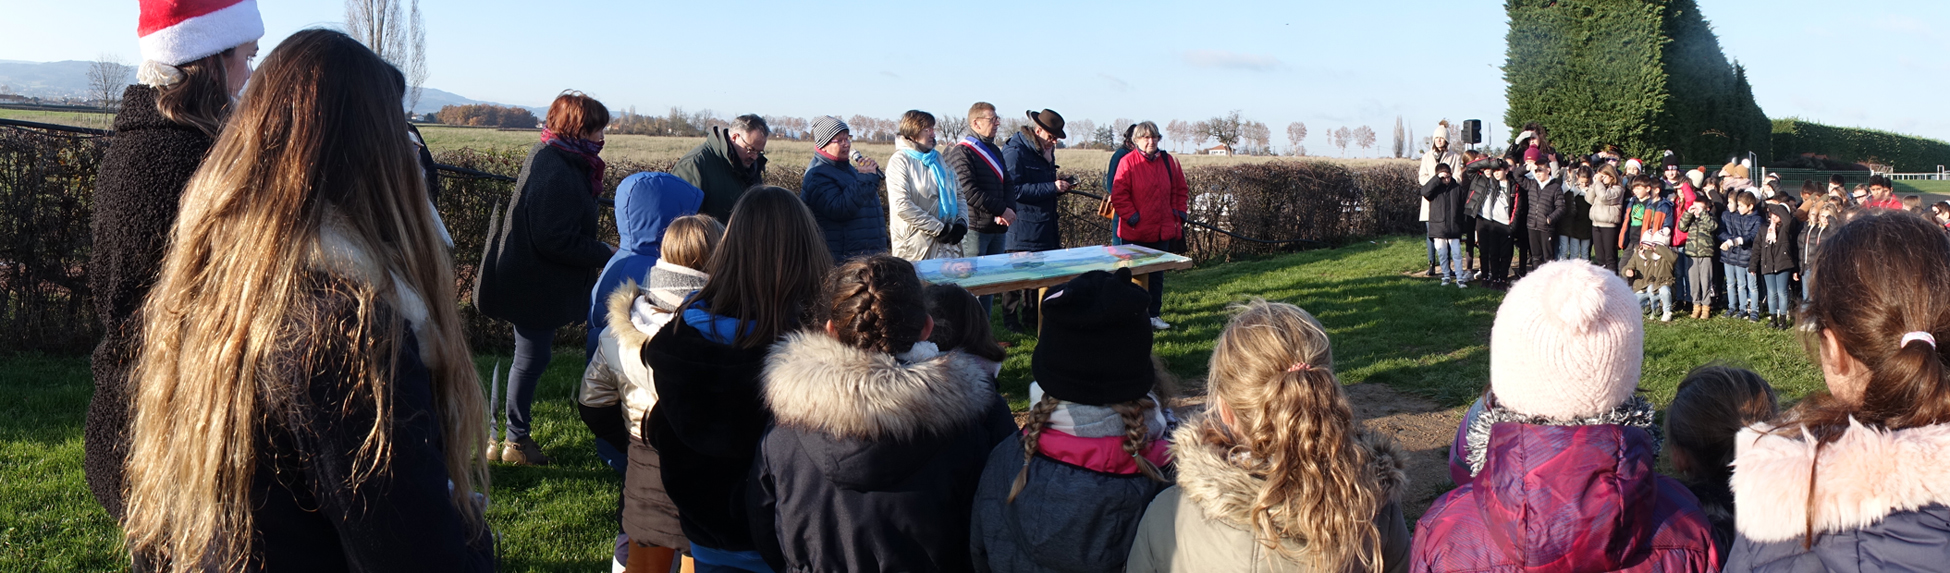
column 1387, row 327
column 82, row 119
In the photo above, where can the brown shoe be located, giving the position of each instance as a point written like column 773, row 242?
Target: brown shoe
column 524, row 452
column 493, row 451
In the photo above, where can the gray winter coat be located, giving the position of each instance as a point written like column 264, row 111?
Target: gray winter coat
column 1880, row 504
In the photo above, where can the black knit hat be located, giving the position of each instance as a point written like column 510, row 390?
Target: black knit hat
column 1669, row 160
column 1095, row 347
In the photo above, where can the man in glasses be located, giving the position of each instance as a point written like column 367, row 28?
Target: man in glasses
column 729, row 161
column 984, row 184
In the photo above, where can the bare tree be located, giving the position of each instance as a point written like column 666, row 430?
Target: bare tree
column 1225, row 129
column 1257, row 136
column 1198, row 133
column 951, row 126
column 107, row 76
column 394, row 33
column 1364, row 137
column 1340, row 138
column 1121, row 124
column 1082, row 132
column 1400, row 137
column 1296, row 132
column 1176, row 130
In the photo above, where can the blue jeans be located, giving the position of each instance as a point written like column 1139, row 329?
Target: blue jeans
column 722, row 561
column 1571, row 248
column 1449, row 259
column 1741, row 298
column 1660, row 295
column 1779, row 300
column 989, row 244
column 532, row 348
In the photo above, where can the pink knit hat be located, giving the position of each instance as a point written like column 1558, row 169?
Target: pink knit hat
column 1567, row 344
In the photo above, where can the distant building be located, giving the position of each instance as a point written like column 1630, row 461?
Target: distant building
column 1221, row 149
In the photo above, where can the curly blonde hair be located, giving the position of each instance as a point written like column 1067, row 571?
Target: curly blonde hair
column 1273, row 370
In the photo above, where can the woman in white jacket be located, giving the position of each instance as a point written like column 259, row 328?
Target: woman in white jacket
column 926, row 220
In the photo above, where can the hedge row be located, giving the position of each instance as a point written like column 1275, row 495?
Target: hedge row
column 47, row 185
column 1646, row 75
column 1794, row 137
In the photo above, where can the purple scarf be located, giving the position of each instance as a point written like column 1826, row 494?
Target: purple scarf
column 585, row 148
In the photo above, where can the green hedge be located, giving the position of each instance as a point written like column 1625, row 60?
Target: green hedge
column 1793, row 137
column 1646, row 75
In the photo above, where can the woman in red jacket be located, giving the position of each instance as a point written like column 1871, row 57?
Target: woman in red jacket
column 1149, row 193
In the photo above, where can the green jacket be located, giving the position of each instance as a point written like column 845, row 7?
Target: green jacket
column 1649, row 270
column 1702, row 224
column 711, row 167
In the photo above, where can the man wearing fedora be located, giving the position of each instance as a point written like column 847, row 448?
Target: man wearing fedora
column 1030, row 157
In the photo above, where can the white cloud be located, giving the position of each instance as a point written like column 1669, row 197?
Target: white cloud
column 1114, row 83
column 1232, row 60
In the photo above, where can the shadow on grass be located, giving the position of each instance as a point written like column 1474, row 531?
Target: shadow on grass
column 1386, row 327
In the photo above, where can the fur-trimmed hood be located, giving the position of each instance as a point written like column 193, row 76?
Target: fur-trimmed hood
column 814, row 382
column 337, row 251
column 1226, row 492
column 1864, row 476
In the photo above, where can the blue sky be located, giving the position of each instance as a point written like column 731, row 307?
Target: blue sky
column 1327, row 64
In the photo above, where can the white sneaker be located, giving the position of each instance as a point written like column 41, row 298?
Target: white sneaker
column 1159, row 324
column 1445, row 281
column 1462, row 284
column 1667, row 317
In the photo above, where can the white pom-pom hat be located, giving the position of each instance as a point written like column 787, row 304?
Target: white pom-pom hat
column 1568, row 343
column 177, row 32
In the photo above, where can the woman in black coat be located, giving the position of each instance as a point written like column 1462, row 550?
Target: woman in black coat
column 165, row 128
column 543, row 257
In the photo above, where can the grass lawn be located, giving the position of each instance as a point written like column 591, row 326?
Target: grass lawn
column 1386, row 327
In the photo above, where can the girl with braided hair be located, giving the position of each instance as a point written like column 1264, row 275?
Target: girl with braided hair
column 877, row 436
column 1067, row 495
column 1276, row 476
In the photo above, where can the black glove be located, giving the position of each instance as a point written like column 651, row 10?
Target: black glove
column 953, row 234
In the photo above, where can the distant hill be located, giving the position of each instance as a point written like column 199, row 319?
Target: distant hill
column 45, row 79
column 70, row 79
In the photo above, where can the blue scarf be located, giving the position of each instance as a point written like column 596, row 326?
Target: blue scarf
column 947, row 207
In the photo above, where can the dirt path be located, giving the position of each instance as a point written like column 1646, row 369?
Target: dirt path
column 1423, row 429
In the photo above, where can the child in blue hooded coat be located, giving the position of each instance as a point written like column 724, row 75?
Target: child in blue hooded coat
column 646, row 203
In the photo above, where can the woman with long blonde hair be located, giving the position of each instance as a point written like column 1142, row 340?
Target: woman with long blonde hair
column 1276, row 476
column 303, row 396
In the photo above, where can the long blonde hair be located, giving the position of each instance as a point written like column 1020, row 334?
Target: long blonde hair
column 1273, row 368
column 231, row 332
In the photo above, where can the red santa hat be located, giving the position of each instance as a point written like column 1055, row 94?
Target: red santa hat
column 177, row 32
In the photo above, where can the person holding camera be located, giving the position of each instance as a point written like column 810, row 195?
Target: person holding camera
column 1031, row 159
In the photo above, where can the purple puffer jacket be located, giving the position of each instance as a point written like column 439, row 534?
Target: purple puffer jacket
column 1562, row 498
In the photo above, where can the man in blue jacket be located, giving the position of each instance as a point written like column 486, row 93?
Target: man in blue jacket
column 844, row 200
column 1031, row 159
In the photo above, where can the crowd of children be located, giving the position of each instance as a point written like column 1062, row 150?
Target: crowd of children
column 299, row 395
column 847, row 419
column 1723, row 241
